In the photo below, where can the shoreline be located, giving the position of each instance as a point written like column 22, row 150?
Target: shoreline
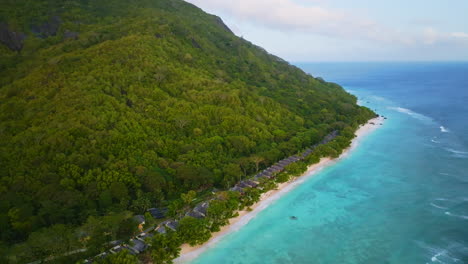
column 189, row 253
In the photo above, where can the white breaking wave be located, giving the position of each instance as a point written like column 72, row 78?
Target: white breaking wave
column 442, row 255
column 440, row 207
column 457, row 151
column 435, row 141
column 455, row 215
column 434, row 258
column 411, row 113
column 444, row 129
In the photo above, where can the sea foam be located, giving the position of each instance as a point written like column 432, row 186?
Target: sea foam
column 411, row 113
column 444, row 129
column 442, row 255
column 456, row 215
column 458, row 153
column 440, row 207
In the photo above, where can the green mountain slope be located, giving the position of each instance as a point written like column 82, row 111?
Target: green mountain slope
column 108, row 106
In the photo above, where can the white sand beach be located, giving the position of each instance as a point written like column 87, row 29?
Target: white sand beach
column 188, row 252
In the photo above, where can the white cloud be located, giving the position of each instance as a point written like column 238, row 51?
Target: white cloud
column 431, row 36
column 459, row 35
column 310, row 30
column 292, row 16
column 308, row 16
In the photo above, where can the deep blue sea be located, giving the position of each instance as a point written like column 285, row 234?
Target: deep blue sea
column 400, row 197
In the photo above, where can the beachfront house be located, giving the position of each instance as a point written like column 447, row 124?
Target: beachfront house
column 136, row 246
column 262, row 174
column 251, row 183
column 158, row 213
column 172, row 224
column 277, row 167
column 195, row 214
column 143, row 236
column 202, row 207
column 161, row 230
column 237, row 189
column 243, row 185
column 117, row 249
column 98, row 257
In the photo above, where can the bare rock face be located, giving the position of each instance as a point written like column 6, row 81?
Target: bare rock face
column 13, row 40
column 50, row 28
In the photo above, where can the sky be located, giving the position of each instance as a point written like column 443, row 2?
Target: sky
column 350, row 30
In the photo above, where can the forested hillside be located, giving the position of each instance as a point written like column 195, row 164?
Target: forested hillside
column 108, row 108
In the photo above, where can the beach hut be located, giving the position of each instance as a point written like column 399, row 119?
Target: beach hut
column 140, row 219
column 158, row 213
column 202, row 207
column 137, row 246
column 277, row 167
column 117, row 249
column 99, row 256
column 243, row 185
column 161, row 230
column 173, row 224
column 195, row 214
column 143, row 236
column 237, row 189
column 251, row 183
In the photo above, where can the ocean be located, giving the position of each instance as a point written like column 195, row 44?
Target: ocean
column 401, row 196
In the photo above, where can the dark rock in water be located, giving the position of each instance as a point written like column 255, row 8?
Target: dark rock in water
column 71, row 35
column 293, row 217
column 385, row 118
column 50, row 28
column 13, row 40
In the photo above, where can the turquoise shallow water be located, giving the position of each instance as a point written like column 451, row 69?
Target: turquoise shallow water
column 400, row 197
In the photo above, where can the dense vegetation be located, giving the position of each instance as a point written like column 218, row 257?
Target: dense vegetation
column 108, row 108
